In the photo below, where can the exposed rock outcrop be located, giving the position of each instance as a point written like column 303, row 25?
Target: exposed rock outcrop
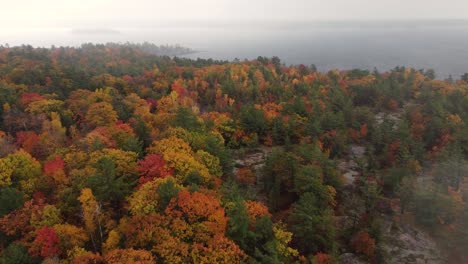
column 350, row 258
column 407, row 245
column 349, row 166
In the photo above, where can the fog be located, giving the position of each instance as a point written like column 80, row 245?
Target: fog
column 121, row 13
column 331, row 34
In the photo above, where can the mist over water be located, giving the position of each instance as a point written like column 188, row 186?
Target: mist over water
column 442, row 46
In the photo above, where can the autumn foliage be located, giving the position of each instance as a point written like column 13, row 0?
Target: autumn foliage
column 110, row 154
column 152, row 166
column 363, row 243
column 46, row 243
column 323, row 258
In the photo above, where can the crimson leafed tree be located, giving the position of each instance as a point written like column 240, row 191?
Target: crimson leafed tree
column 152, row 166
column 46, row 243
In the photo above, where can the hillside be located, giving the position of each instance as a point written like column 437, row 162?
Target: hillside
column 112, row 154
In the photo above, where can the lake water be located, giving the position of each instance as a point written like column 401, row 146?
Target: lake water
column 442, row 46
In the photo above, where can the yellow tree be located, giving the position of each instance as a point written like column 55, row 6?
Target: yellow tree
column 49, row 215
column 90, row 209
column 53, row 133
column 20, row 168
column 101, row 114
column 6, row 170
column 147, row 200
column 70, row 236
column 282, row 240
column 223, row 123
column 210, row 161
column 92, row 215
column 112, row 241
column 45, row 106
column 137, row 106
column 125, row 161
column 179, row 155
column 129, row 256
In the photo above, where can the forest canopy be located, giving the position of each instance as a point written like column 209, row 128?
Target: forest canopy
column 113, row 154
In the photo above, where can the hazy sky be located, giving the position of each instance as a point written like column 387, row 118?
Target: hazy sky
column 84, row 13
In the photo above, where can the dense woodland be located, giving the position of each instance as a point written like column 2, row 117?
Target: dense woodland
column 109, row 154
